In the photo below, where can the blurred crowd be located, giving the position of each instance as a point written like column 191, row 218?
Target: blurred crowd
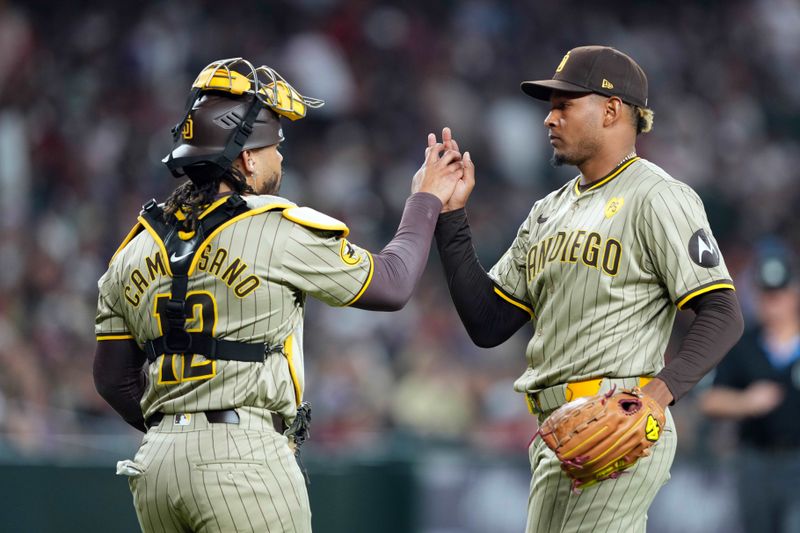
column 89, row 91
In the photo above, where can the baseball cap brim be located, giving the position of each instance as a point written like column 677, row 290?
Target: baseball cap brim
column 542, row 89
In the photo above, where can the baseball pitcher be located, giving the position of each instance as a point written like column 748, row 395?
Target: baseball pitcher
column 599, row 268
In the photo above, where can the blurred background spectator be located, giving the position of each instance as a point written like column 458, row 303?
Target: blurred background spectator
column 758, row 384
column 89, row 91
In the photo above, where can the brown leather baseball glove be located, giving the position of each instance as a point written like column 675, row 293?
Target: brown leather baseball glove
column 598, row 437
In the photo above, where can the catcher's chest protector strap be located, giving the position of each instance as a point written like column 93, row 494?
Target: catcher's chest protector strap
column 180, row 254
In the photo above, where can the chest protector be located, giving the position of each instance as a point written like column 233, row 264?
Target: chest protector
column 181, row 249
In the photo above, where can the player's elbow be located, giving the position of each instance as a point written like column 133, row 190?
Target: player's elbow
column 384, row 303
column 490, row 330
column 392, row 305
column 483, row 343
column 734, row 319
column 484, row 339
column 738, row 324
column 104, row 387
column 383, row 296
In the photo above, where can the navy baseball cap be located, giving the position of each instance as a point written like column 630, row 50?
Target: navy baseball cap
column 594, row 69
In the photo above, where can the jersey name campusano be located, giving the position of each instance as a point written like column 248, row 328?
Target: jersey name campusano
column 247, row 283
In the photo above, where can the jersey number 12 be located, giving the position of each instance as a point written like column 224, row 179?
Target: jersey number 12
column 177, row 368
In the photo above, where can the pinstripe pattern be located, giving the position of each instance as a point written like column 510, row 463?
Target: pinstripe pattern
column 218, row 478
column 289, row 259
column 591, row 321
column 603, row 271
column 613, row 506
column 229, row 477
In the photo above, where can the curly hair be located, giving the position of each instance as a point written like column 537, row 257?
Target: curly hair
column 200, row 190
column 642, row 119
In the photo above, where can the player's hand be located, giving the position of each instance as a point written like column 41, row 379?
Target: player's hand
column 763, row 397
column 467, row 182
column 440, row 172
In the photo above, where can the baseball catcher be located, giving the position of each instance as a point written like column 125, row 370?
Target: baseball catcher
column 201, row 311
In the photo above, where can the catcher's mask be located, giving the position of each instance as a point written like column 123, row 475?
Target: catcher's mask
column 229, row 111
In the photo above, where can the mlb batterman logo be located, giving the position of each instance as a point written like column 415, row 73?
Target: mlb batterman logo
column 183, row 419
column 613, row 206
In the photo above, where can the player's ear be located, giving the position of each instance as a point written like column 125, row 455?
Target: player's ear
column 245, row 162
column 613, row 111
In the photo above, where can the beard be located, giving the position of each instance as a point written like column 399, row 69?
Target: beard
column 582, row 153
column 561, row 159
column 270, row 185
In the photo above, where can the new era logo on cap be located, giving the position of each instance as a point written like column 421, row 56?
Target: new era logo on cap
column 594, row 69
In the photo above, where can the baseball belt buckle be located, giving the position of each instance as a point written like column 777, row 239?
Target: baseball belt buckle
column 182, row 419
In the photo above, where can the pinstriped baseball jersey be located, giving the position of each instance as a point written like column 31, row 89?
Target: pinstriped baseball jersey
column 603, row 270
column 248, row 283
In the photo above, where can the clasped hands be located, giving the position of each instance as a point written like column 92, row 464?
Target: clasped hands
column 445, row 173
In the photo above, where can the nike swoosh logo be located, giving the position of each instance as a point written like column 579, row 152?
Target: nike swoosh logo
column 175, row 258
column 542, row 219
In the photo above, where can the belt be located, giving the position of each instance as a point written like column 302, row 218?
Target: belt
column 553, row 397
column 224, row 416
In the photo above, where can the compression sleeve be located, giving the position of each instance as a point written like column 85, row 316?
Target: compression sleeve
column 120, row 378
column 398, row 267
column 489, row 319
column 716, row 328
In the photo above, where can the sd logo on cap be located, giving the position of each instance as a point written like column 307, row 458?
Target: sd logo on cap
column 594, row 69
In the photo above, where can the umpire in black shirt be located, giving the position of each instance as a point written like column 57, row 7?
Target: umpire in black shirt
column 758, row 383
